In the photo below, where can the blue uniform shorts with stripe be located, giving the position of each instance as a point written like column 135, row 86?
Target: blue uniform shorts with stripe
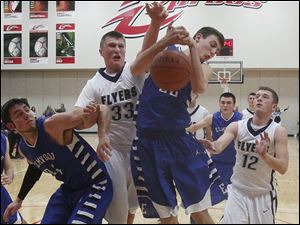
column 86, row 205
column 160, row 163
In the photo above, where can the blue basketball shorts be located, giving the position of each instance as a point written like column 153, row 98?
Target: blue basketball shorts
column 87, row 205
column 164, row 164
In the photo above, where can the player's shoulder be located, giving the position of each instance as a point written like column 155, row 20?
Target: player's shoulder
column 280, row 130
column 203, row 109
column 238, row 114
column 208, row 119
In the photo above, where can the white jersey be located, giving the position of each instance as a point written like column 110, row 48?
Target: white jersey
column 247, row 113
column 120, row 93
column 251, row 173
column 198, row 113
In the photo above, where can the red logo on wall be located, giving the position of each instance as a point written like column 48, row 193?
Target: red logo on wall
column 127, row 17
column 65, row 26
column 12, row 27
column 247, row 4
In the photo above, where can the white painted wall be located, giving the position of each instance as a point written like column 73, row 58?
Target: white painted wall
column 267, row 37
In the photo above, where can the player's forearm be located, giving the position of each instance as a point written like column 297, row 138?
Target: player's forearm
column 10, row 174
column 143, row 60
column 198, row 78
column 279, row 165
column 103, row 121
column 82, row 121
column 223, row 141
column 32, row 175
column 218, row 146
column 151, row 35
column 198, row 126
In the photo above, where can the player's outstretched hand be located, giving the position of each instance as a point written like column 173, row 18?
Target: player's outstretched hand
column 156, row 12
column 5, row 179
column 104, row 149
column 209, row 146
column 191, row 129
column 262, row 146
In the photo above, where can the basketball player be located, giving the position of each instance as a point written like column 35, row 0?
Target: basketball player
column 6, row 179
column 218, row 121
column 198, row 112
column 51, row 145
column 118, row 86
column 248, row 112
column 277, row 114
column 261, row 146
column 164, row 157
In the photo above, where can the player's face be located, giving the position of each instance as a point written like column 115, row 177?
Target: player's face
column 22, row 118
column 251, row 100
column 264, row 102
column 208, row 47
column 113, row 52
column 226, row 106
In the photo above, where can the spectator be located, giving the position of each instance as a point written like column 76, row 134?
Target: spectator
column 61, row 109
column 49, row 111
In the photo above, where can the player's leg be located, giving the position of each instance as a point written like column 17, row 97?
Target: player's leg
column 202, row 217
column 263, row 208
column 130, row 217
column 92, row 204
column 235, row 211
column 152, row 178
column 132, row 195
column 195, row 178
column 117, row 211
column 169, row 220
column 58, row 209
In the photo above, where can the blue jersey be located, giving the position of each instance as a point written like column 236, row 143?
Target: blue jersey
column 3, row 150
column 76, row 164
column 160, row 110
column 218, row 126
column 164, row 111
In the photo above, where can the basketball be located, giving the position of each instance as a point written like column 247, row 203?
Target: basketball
column 14, row 47
column 40, row 47
column 170, row 70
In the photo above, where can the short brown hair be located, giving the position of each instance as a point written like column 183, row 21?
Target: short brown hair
column 6, row 107
column 114, row 34
column 207, row 31
column 228, row 95
column 274, row 94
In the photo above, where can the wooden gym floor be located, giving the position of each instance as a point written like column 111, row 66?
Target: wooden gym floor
column 288, row 190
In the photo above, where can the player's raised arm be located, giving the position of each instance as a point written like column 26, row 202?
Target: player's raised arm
column 58, row 124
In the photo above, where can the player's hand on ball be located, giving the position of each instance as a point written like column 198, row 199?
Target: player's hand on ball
column 175, row 35
column 104, row 149
column 188, row 41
